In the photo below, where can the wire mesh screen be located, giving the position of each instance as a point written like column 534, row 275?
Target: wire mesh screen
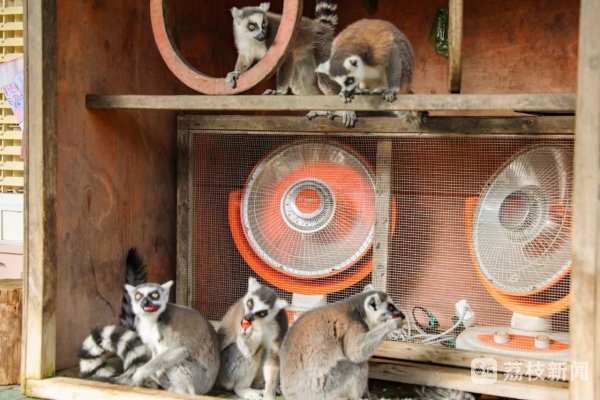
column 298, row 213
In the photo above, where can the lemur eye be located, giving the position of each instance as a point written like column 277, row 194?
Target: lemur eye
column 251, row 27
column 391, row 307
column 138, row 296
column 349, row 81
column 262, row 314
column 250, row 303
column 264, row 25
column 154, row 295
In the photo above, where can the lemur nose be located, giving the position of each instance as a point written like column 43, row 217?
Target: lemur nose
column 249, row 317
column 145, row 302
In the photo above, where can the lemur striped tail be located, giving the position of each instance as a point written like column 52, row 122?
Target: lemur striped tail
column 107, row 340
column 325, row 12
column 135, row 275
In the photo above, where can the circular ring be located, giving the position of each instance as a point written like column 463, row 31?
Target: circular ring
column 292, row 13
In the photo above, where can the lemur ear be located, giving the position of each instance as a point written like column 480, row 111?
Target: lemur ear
column 236, row 13
column 369, row 288
column 253, row 285
column 264, row 6
column 130, row 289
column 167, row 286
column 323, row 68
column 281, row 304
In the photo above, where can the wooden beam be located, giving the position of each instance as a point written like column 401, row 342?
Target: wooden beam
column 39, row 320
column 380, row 126
column 460, row 379
column 439, row 355
column 382, row 214
column 455, row 35
column 585, row 287
column 183, row 235
column 564, row 102
column 71, row 388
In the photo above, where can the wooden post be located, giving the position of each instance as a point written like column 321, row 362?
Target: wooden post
column 11, row 295
column 585, row 290
column 382, row 214
column 183, row 212
column 39, row 311
column 455, row 35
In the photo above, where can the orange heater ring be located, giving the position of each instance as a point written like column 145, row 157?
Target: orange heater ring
column 519, row 304
column 292, row 13
column 333, row 283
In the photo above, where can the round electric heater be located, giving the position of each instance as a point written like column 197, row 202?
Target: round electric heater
column 305, row 219
column 308, row 208
column 519, row 233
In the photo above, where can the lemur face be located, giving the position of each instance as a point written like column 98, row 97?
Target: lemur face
column 349, row 75
column 149, row 298
column 379, row 307
column 261, row 304
column 251, row 21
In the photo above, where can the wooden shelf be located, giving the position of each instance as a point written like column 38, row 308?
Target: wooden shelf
column 555, row 102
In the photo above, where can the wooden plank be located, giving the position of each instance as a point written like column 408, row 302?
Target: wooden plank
column 382, row 214
column 11, row 297
column 39, row 320
column 383, row 125
column 440, row 355
column 460, row 379
column 455, row 34
column 73, row 389
column 585, row 287
column 564, row 102
column 183, row 207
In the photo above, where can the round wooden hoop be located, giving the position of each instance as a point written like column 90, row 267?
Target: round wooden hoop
column 292, row 13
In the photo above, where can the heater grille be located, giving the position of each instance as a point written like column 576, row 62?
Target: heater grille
column 430, row 263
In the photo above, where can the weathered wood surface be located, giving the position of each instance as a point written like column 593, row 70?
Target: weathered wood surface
column 11, row 299
column 455, row 35
column 460, row 379
column 41, row 259
column 382, row 215
column 70, row 388
column 380, row 125
column 183, row 208
column 564, row 102
column 449, row 357
column 116, row 171
column 585, row 277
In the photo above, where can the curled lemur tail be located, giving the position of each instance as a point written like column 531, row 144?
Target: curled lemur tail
column 135, row 275
column 325, row 12
column 111, row 339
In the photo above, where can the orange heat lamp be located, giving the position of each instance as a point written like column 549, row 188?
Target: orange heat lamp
column 304, row 221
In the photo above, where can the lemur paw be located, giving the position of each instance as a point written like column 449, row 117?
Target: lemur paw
column 393, row 324
column 389, row 95
column 231, row 78
column 246, row 333
column 348, row 117
column 273, row 92
column 314, row 114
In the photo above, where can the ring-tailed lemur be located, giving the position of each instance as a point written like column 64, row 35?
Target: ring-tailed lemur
column 254, row 30
column 373, row 57
column 183, row 345
column 251, row 333
column 324, row 355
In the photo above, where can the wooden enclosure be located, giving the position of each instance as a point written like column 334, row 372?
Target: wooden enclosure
column 102, row 161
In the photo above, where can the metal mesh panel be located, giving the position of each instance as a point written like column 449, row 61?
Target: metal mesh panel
column 430, row 261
